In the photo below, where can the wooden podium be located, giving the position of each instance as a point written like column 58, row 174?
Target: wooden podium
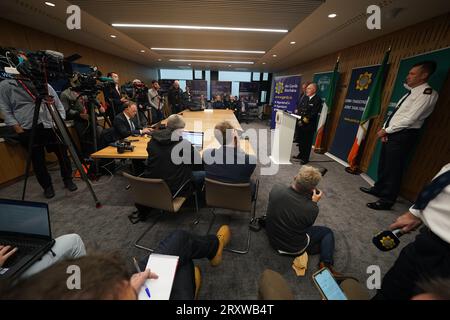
column 283, row 137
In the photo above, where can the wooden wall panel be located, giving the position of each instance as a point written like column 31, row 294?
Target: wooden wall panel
column 433, row 149
column 19, row 36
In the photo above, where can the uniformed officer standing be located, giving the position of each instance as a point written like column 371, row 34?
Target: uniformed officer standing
column 400, row 132
column 309, row 108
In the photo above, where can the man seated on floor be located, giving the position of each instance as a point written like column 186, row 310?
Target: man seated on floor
column 104, row 277
column 66, row 247
column 291, row 214
column 126, row 124
column 229, row 163
column 173, row 159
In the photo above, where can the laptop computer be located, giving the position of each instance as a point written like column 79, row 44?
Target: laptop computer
column 26, row 226
column 195, row 138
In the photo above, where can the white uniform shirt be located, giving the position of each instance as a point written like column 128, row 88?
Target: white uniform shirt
column 414, row 110
column 436, row 215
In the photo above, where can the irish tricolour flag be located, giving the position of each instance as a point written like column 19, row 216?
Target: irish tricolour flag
column 326, row 109
column 372, row 110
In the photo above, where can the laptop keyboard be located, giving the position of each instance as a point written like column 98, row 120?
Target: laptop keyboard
column 24, row 248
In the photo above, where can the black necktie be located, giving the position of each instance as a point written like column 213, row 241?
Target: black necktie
column 396, row 109
column 432, row 190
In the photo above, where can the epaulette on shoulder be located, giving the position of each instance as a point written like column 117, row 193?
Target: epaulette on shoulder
column 428, row 91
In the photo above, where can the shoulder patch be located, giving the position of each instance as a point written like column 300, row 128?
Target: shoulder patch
column 428, row 91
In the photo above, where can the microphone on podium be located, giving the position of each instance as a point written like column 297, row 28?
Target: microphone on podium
column 387, row 240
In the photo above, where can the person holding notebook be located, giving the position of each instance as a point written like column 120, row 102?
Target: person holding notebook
column 106, row 276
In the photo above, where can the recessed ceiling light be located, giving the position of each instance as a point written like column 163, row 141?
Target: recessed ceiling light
column 274, row 55
column 159, row 59
column 189, row 64
column 293, row 42
column 50, row 4
column 263, row 63
column 212, row 61
column 142, row 51
column 209, row 50
column 166, row 26
column 229, row 65
column 113, row 36
column 332, row 15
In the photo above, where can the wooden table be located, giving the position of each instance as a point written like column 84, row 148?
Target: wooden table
column 200, row 121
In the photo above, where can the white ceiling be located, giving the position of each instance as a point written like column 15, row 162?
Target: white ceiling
column 315, row 34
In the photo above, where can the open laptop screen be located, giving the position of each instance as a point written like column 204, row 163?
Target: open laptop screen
column 195, row 138
column 24, row 218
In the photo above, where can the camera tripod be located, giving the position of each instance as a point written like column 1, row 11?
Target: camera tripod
column 63, row 134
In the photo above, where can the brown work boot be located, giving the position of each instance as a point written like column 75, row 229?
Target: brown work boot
column 198, row 281
column 224, row 235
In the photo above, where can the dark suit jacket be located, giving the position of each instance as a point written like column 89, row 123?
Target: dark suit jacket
column 113, row 97
column 122, row 127
column 309, row 110
column 236, row 170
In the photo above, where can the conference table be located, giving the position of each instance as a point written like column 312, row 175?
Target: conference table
column 197, row 121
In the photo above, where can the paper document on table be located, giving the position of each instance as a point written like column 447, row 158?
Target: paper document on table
column 165, row 267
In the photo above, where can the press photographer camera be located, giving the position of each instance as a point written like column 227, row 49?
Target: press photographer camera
column 137, row 91
column 123, row 146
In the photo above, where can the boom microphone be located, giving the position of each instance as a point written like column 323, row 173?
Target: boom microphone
column 387, row 240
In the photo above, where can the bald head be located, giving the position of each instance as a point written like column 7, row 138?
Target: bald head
column 311, row 89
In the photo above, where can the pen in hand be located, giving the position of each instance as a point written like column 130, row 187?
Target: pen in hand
column 147, row 290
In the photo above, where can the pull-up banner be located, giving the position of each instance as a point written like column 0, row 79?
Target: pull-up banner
column 442, row 58
column 249, row 90
column 355, row 102
column 287, row 93
column 197, row 88
column 220, row 88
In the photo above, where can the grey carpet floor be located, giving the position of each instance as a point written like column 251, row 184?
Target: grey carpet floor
column 343, row 209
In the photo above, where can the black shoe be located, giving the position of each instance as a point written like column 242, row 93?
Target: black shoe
column 303, row 162
column 380, row 205
column 369, row 191
column 70, row 185
column 49, row 192
column 297, row 157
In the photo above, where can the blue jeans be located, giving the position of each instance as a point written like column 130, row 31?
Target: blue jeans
column 321, row 241
column 198, row 178
column 187, row 247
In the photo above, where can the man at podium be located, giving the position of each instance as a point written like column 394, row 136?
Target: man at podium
column 308, row 110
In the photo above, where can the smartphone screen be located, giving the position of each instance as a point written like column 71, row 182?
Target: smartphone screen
column 328, row 285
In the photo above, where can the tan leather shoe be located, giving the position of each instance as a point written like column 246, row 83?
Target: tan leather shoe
column 337, row 275
column 224, row 235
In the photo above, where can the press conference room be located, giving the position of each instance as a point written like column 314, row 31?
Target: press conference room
column 242, row 151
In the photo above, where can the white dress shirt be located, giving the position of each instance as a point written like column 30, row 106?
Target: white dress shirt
column 436, row 215
column 414, row 109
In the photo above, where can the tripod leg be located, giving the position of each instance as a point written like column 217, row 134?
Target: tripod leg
column 61, row 126
column 37, row 108
column 93, row 120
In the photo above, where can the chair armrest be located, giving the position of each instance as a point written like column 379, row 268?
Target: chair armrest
column 181, row 188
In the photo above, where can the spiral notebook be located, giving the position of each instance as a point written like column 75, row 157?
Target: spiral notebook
column 165, row 267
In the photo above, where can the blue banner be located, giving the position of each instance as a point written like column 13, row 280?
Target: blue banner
column 197, row 88
column 249, row 90
column 286, row 95
column 355, row 102
column 220, row 88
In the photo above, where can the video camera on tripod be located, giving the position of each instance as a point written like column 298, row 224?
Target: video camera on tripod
column 90, row 84
column 40, row 67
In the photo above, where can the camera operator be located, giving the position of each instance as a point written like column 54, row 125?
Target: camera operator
column 140, row 95
column 155, row 102
column 113, row 97
column 17, row 103
column 175, row 97
column 75, row 106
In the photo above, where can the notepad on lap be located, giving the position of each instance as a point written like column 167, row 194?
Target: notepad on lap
column 165, row 267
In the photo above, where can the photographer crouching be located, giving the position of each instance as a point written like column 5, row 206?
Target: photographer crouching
column 17, row 103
